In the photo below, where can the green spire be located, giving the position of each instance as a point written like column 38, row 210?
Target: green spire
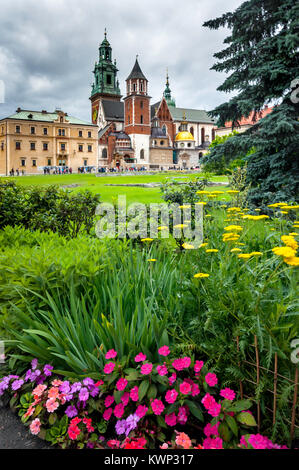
column 105, row 71
column 167, row 92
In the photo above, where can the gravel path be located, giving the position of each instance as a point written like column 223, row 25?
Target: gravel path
column 14, row 435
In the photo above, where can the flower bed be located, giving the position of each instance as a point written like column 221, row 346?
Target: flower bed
column 146, row 406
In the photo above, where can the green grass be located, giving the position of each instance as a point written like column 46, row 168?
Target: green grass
column 98, row 184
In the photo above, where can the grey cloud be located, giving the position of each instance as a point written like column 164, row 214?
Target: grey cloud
column 48, row 49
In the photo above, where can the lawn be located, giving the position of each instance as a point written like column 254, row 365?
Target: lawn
column 98, row 184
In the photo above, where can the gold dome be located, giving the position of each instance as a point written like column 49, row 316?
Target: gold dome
column 184, row 136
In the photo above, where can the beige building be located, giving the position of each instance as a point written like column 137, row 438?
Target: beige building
column 32, row 140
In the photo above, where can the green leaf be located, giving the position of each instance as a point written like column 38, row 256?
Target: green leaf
column 240, row 406
column 152, row 391
column 232, row 424
column 224, row 432
column 246, row 418
column 195, row 410
column 143, row 389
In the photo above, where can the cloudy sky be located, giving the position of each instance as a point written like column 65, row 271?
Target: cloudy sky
column 48, row 49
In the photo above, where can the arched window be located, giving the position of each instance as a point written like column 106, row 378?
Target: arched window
column 192, row 131
column 141, row 119
column 213, row 134
column 164, row 129
column 134, row 87
column 104, row 153
column 142, row 154
column 141, row 104
column 141, row 86
column 202, row 135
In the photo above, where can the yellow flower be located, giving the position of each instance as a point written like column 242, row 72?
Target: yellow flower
column 256, row 253
column 257, row 210
column 245, row 255
column 202, row 192
column 200, row 275
column 218, row 192
column 201, row 203
column 202, row 245
column 163, row 227
column 283, row 212
column 187, row 246
column 292, row 261
column 234, row 209
column 235, row 250
column 284, row 251
column 293, row 234
column 147, row 239
column 255, row 217
column 212, row 250
column 233, row 228
column 208, row 215
column 241, row 244
column 151, row 260
column 186, row 206
column 232, row 191
column 289, row 241
column 180, row 226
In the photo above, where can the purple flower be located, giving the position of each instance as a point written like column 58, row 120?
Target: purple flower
column 34, row 363
column 65, row 387
column 121, row 426
column 88, row 382
column 17, row 384
column 71, row 411
column 94, row 392
column 40, row 379
column 131, row 422
column 76, row 387
column 84, row 394
column 48, row 370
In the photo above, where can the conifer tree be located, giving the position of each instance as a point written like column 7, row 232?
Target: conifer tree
column 261, row 59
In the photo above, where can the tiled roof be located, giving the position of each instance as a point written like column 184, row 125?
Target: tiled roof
column 114, row 110
column 136, row 72
column 46, row 117
column 192, row 115
column 249, row 120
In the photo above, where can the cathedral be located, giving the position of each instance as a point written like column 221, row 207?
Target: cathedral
column 135, row 133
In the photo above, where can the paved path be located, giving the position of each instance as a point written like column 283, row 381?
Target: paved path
column 14, row 435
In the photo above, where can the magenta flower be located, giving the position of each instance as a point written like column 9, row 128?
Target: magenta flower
column 208, row 401
column 180, row 364
column 125, row 398
column 195, row 390
column 162, row 370
column 198, row 366
column 214, row 410
column 107, row 414
column 164, row 351
column 134, row 394
column 146, row 368
column 211, row 379
column 109, row 367
column 210, row 430
column 183, row 415
column 83, row 394
column 111, row 354
column 140, row 357
column 228, row 393
column 121, row 384
column 210, row 443
column 172, row 378
column 119, row 410
column 185, row 388
column 171, row 419
column 141, row 411
column 157, row 406
column 71, row 411
column 171, row 395
column 109, row 400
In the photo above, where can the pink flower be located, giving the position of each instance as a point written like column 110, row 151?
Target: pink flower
column 228, row 393
column 214, row 410
column 109, row 367
column 141, row 411
column 164, row 351
column 109, row 400
column 146, row 368
column 125, row 398
column 111, row 354
column 134, row 394
column 164, row 446
column 107, row 414
column 30, row 411
column 170, row 419
column 183, row 440
column 210, row 430
column 121, row 384
column 39, row 390
column 183, row 415
column 51, row 405
column 171, row 395
column 157, row 406
column 210, row 443
column 185, row 388
column 195, row 390
column 35, row 427
column 208, row 401
column 211, row 379
column 162, row 370
column 180, row 364
column 172, row 378
column 198, row 366
column 119, row 410
column 140, row 357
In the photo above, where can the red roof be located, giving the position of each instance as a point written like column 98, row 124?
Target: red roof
column 249, row 120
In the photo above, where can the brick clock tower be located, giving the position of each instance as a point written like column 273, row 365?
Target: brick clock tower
column 106, row 85
column 137, row 113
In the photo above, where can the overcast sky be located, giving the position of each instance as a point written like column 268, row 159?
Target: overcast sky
column 48, row 49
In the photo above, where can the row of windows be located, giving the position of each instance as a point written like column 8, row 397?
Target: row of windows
column 61, row 132
column 141, row 119
column 34, row 162
column 46, row 146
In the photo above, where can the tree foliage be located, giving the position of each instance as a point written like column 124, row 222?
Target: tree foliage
column 262, row 62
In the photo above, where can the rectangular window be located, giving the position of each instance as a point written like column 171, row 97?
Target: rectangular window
column 23, row 162
column 62, row 146
column 80, row 133
column 49, row 162
column 141, row 104
column 90, row 148
column 45, row 146
column 33, row 162
column 32, row 130
column 85, row 162
column 18, row 129
column 109, row 79
column 45, row 131
column 32, row 145
column 141, row 119
column 18, row 145
column 89, row 134
column 61, row 132
column 80, row 148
